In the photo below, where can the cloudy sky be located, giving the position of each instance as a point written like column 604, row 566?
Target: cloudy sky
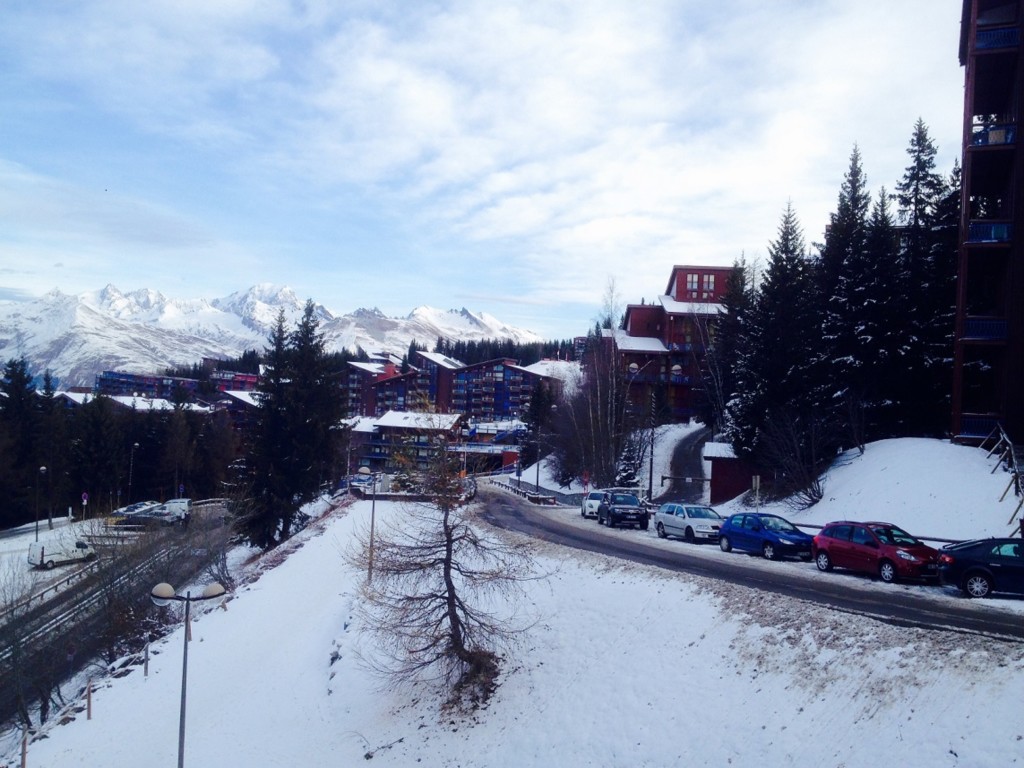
column 510, row 157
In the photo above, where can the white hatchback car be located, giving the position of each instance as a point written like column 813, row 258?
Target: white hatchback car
column 591, row 502
column 691, row 522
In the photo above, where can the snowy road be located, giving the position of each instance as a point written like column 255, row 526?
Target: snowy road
column 926, row 607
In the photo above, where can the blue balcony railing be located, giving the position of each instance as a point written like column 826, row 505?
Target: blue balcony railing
column 987, row 328
column 993, row 135
column 1004, row 37
column 977, row 425
column 989, row 232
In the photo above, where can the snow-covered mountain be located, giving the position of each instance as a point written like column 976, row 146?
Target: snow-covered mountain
column 77, row 336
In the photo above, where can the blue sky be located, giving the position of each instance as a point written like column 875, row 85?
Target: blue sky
column 506, row 157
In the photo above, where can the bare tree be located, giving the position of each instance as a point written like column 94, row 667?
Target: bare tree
column 794, row 450
column 441, row 602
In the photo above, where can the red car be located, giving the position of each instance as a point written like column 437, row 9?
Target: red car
column 877, row 548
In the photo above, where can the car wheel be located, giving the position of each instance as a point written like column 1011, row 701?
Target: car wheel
column 661, row 531
column 610, row 521
column 725, row 544
column 977, row 585
column 887, row 571
column 688, row 535
column 49, row 565
column 768, row 550
column 823, row 561
column 90, row 557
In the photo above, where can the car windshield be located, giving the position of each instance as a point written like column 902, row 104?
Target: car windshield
column 778, row 524
column 893, row 535
column 705, row 513
column 627, row 499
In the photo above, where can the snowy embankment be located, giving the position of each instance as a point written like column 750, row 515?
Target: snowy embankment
column 625, row 665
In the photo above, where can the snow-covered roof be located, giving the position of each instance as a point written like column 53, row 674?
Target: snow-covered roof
column 418, row 420
column 248, row 397
column 627, row 343
column 373, row 368
column 674, row 307
column 563, row 370
column 362, row 424
column 442, row 360
column 718, row 451
column 133, row 401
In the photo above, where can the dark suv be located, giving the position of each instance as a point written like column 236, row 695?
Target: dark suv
column 622, row 509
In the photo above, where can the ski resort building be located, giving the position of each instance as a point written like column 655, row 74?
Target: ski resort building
column 988, row 365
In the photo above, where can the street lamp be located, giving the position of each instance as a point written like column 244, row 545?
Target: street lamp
column 366, row 472
column 131, row 468
column 42, row 472
column 161, row 595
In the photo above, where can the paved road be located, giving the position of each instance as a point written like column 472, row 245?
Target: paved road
column 890, row 606
column 686, row 462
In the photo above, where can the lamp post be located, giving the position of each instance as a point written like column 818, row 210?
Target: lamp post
column 42, row 472
column 365, row 471
column 161, row 595
column 131, row 468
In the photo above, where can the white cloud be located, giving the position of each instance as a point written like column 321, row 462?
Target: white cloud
column 587, row 138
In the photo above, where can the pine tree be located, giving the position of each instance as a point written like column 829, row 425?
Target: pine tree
column 929, row 208
column 774, row 421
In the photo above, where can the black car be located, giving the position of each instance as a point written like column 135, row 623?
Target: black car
column 622, row 509
column 983, row 566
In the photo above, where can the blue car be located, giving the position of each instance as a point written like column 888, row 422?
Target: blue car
column 771, row 535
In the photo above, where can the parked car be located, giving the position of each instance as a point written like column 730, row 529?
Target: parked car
column 878, row 548
column 771, row 535
column 170, row 512
column 620, row 509
column 133, row 509
column 590, row 503
column 983, row 566
column 692, row 522
column 52, row 553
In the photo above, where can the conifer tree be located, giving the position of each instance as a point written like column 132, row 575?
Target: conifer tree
column 773, row 386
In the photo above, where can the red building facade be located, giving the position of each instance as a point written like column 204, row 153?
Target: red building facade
column 662, row 346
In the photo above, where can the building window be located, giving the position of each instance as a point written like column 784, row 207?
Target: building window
column 691, row 282
column 709, row 283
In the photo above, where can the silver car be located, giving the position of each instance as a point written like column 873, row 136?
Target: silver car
column 692, row 522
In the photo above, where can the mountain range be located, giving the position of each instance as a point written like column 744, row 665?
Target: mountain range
column 143, row 331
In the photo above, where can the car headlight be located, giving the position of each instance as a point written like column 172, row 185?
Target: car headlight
column 905, row 556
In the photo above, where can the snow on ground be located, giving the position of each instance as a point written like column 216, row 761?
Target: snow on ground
column 625, row 665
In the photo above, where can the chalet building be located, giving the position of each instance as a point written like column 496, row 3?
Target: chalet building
column 151, row 385
column 414, row 434
column 492, row 390
column 661, row 346
column 488, row 391
column 988, row 363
